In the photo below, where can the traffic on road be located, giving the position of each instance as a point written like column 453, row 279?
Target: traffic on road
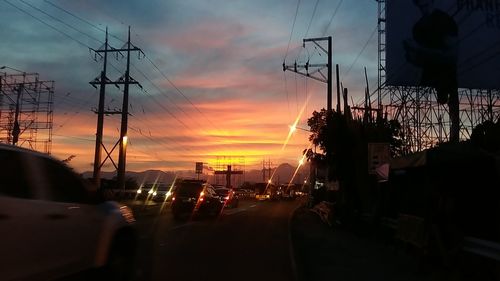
column 57, row 226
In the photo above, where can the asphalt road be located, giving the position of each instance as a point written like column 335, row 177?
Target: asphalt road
column 250, row 242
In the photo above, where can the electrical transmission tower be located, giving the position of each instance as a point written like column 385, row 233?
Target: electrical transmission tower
column 102, row 81
column 424, row 122
column 26, row 114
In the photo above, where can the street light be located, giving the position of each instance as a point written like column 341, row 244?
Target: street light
column 294, row 128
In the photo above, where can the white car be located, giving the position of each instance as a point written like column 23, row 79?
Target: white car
column 53, row 224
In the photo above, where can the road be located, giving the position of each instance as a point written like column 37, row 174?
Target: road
column 250, row 242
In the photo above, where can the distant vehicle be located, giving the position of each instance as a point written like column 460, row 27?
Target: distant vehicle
column 288, row 192
column 228, row 197
column 243, row 193
column 158, row 192
column 194, row 197
column 53, row 224
column 264, row 191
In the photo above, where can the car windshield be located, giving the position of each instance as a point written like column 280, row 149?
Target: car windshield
column 189, row 189
column 222, row 191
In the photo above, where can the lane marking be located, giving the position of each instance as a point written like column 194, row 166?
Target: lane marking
column 182, row 225
column 232, row 212
column 251, row 206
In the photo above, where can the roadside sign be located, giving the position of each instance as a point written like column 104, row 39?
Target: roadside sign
column 378, row 154
column 199, row 167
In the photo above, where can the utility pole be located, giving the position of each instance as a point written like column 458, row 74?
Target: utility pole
column 100, row 117
column 338, row 87
column 316, row 69
column 317, row 74
column 125, row 80
column 16, row 130
column 269, row 169
column 263, row 170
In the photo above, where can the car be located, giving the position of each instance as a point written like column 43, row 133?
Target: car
column 194, row 198
column 54, row 224
column 228, row 197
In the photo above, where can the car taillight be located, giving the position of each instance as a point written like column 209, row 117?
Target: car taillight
column 201, row 196
column 227, row 197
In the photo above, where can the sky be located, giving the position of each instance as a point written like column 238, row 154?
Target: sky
column 212, row 78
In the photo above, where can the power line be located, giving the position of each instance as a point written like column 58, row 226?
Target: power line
column 181, row 93
column 332, row 17
column 83, row 20
column 81, row 43
column 308, row 26
column 49, row 25
column 59, row 20
column 291, row 32
column 164, row 94
column 150, row 61
column 361, row 52
column 312, row 17
column 72, row 137
column 167, row 110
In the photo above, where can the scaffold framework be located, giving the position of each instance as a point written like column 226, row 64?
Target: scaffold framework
column 26, row 111
column 424, row 122
column 237, row 164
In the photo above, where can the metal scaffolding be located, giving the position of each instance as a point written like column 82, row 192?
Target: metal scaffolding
column 26, row 114
column 424, row 122
column 237, row 164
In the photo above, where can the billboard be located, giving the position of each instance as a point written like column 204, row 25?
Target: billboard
column 199, row 168
column 431, row 41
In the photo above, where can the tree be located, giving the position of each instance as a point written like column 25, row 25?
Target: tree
column 487, row 136
column 344, row 149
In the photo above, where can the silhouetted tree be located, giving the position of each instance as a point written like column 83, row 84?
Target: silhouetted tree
column 487, row 136
column 344, row 148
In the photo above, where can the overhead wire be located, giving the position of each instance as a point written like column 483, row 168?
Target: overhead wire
column 152, row 63
column 148, row 59
column 291, row 32
column 361, row 51
column 81, row 43
column 312, row 17
column 332, row 17
column 165, row 95
column 59, row 20
column 83, row 20
column 47, row 24
column 181, row 93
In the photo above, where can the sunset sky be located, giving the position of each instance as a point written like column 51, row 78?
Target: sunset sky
column 224, row 56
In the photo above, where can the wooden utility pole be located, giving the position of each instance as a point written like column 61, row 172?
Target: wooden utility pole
column 338, row 87
column 316, row 72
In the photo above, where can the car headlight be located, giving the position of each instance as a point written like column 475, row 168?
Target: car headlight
column 139, row 191
column 154, row 193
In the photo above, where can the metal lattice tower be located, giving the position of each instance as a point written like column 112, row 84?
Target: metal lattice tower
column 237, row 164
column 426, row 123
column 26, row 114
